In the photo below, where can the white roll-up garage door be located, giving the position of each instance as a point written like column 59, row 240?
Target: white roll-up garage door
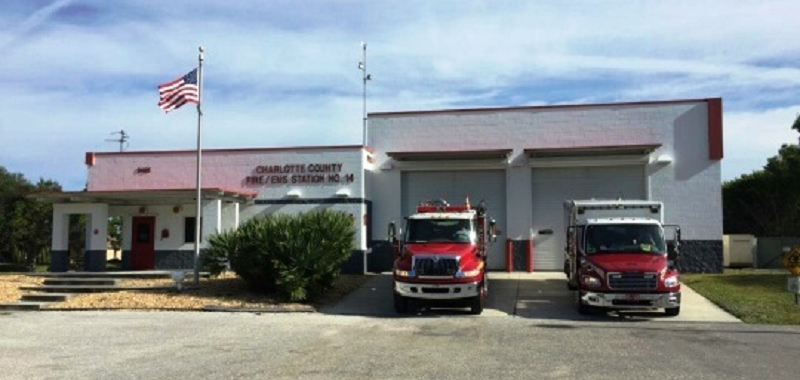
column 551, row 186
column 453, row 186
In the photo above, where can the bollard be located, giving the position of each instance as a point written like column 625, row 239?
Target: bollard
column 530, row 256
column 509, row 255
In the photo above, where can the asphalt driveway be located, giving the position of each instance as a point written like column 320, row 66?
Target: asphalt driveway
column 539, row 295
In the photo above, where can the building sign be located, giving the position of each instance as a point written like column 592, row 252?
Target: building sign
column 299, row 174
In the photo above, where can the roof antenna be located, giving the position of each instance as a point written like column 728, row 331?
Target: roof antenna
column 123, row 139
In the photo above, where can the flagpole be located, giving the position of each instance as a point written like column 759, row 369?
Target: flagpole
column 197, row 219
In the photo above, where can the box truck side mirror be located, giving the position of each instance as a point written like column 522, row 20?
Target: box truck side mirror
column 673, row 251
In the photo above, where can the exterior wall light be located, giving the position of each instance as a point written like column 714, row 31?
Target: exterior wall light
column 663, row 159
column 343, row 193
column 293, row 193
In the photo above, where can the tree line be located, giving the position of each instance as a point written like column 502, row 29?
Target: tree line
column 766, row 203
column 26, row 224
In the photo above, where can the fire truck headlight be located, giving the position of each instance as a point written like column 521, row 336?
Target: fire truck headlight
column 468, row 273
column 590, row 281
column 405, row 273
column 671, row 282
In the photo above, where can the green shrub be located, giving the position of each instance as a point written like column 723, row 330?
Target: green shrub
column 298, row 256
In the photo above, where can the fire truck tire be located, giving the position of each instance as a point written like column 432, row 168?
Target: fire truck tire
column 400, row 304
column 476, row 305
column 672, row 311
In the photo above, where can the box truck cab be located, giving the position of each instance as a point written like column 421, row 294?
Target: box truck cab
column 620, row 255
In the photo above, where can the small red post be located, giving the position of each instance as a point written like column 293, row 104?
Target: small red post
column 509, row 255
column 530, row 256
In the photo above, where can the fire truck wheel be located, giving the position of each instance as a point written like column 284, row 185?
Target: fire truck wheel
column 476, row 305
column 400, row 304
column 672, row 311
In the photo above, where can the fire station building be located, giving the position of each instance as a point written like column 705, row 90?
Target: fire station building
column 523, row 162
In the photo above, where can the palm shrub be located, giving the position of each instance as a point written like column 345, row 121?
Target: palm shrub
column 298, row 256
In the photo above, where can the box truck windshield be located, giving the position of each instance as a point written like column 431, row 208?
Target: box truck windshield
column 624, row 238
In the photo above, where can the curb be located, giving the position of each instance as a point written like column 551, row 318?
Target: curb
column 276, row 309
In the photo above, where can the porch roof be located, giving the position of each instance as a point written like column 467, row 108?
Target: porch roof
column 498, row 154
column 145, row 197
column 593, row 151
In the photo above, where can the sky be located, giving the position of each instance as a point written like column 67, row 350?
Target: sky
column 284, row 73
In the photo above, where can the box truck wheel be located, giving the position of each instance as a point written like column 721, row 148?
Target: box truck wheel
column 582, row 308
column 400, row 304
column 672, row 311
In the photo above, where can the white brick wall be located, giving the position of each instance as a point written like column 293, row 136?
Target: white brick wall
column 690, row 186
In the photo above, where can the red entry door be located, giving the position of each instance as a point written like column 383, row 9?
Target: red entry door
column 143, row 243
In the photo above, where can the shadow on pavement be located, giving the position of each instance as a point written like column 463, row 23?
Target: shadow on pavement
column 538, row 296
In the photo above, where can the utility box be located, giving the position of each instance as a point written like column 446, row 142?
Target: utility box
column 738, row 250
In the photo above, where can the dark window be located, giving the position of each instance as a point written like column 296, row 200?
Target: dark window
column 188, row 229
column 143, row 233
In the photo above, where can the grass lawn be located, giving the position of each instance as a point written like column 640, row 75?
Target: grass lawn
column 752, row 296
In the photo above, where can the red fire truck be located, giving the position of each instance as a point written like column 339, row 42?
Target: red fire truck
column 617, row 256
column 441, row 257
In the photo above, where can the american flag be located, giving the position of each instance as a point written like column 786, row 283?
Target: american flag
column 178, row 92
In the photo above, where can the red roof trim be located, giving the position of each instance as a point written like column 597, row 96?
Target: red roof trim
column 534, row 108
column 247, row 194
column 241, row 150
column 715, row 129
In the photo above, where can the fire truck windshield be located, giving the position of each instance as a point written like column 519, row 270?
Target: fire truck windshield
column 624, row 238
column 440, row 230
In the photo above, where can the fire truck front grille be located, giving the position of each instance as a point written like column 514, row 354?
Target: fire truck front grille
column 625, row 281
column 436, row 266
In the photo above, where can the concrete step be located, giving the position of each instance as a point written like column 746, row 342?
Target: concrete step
column 82, row 281
column 47, row 297
column 22, row 306
column 117, row 275
column 73, row 288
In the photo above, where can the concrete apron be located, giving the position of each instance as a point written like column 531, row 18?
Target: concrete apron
column 538, row 295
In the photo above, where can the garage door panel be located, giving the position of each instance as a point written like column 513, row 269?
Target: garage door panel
column 552, row 186
column 453, row 186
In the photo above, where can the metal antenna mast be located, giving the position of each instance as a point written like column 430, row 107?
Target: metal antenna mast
column 366, row 77
column 123, row 139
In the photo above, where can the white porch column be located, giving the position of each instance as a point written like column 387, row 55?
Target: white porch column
column 59, row 248
column 212, row 220
column 96, row 234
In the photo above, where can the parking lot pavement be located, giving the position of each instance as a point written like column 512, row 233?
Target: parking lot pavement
column 538, row 295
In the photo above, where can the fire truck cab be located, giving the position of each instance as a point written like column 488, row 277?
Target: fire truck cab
column 441, row 257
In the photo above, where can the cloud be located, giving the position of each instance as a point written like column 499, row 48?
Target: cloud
column 281, row 73
column 753, row 136
column 30, row 23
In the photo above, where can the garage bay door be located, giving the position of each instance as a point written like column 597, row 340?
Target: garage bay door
column 453, row 186
column 551, row 186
